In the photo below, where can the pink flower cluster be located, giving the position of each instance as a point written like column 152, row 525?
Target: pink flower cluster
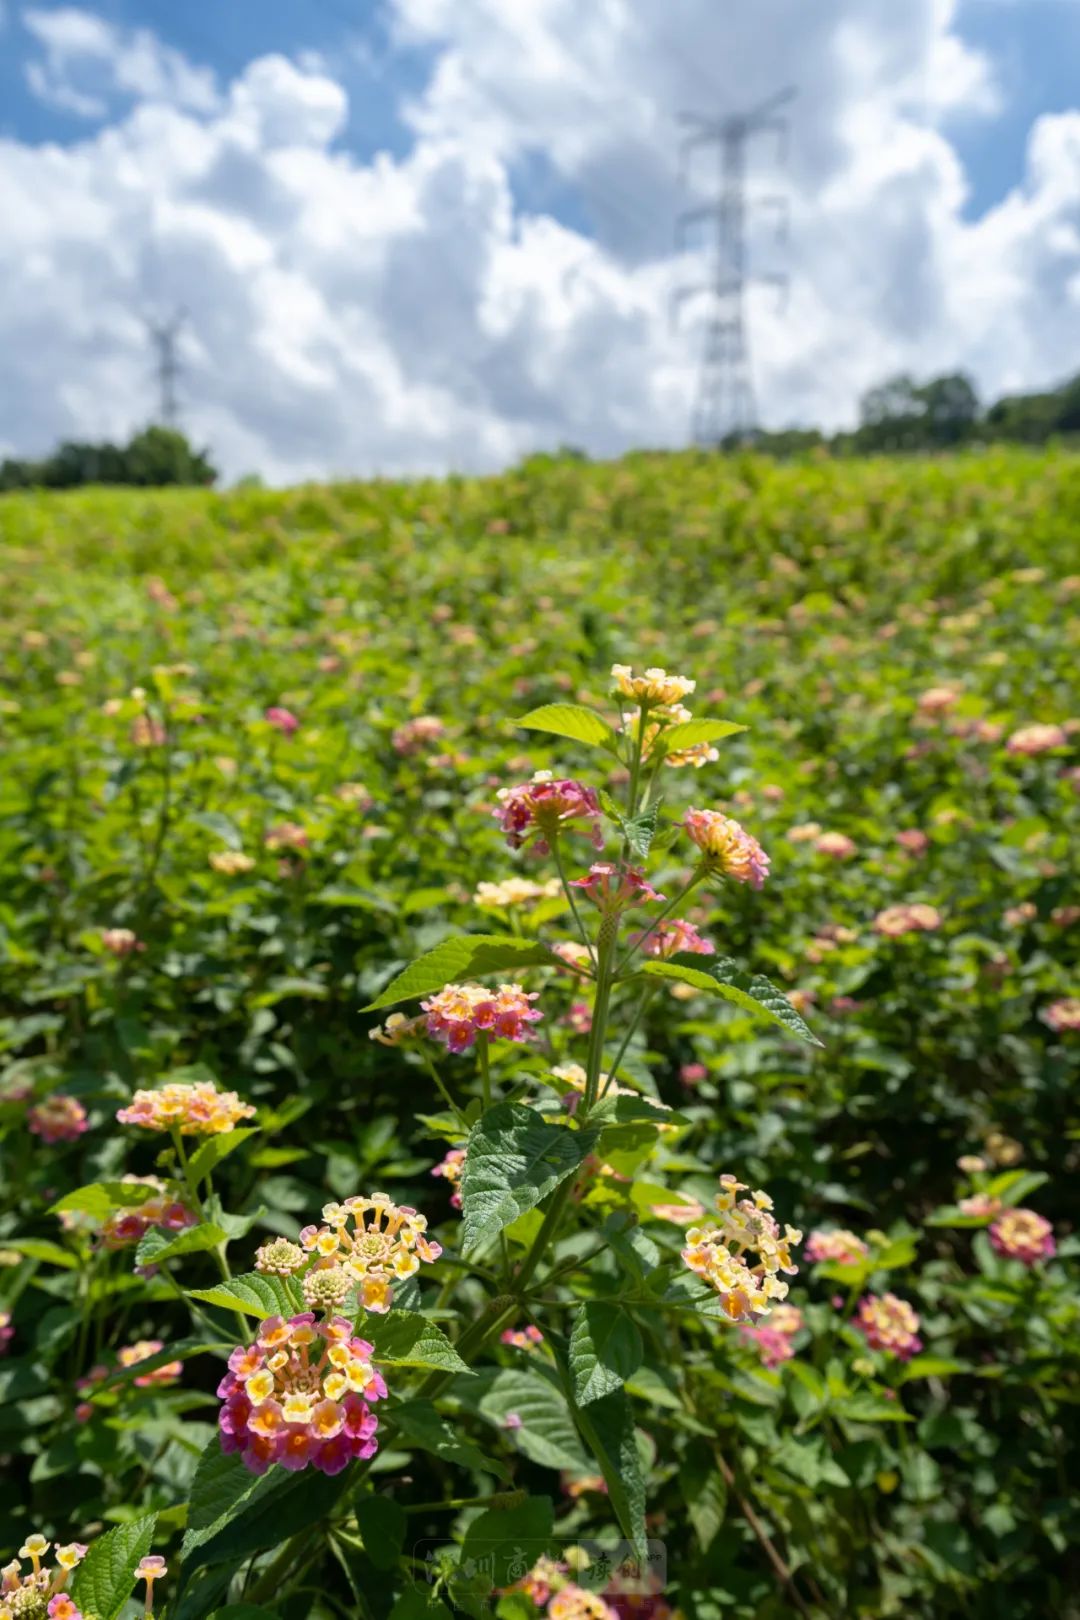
column 411, row 737
column 1062, row 1015
column 283, row 719
column 545, row 806
column 890, row 1324
column 675, row 938
column 1036, row 739
column 614, row 890
column 1020, row 1234
column 58, row 1119
column 772, row 1338
column 121, row 942
column 726, row 847
column 123, row 1227
column 299, row 1395
column 841, row 1248
column 917, row 918
column 194, row 1110
column 522, row 1338
column 836, row 844
column 450, row 1169
column 459, row 1012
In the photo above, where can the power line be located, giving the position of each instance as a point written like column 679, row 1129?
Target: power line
column 725, row 407
column 164, row 336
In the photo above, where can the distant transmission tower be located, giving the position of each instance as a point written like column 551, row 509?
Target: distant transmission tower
column 164, row 336
column 725, row 407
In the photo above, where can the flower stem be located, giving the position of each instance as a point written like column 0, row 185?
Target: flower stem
column 569, row 893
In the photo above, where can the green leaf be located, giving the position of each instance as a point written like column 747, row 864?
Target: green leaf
column 100, row 1198
column 407, row 1339
column 419, row 1603
column 466, row 956
column 752, row 992
column 932, row 1367
column 571, row 720
column 605, row 1350
column 547, row 1435
column 607, row 1428
column 216, row 1148
column 382, row 1524
column 105, row 1579
column 514, row 1159
column 870, row 1408
column 704, row 1493
column 41, row 1249
column 639, row 831
column 499, row 1540
column 689, row 732
column 252, row 1293
column 233, row 1513
column 155, row 1245
column 419, row 1424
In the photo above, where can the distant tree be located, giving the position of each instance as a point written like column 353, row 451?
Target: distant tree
column 157, row 456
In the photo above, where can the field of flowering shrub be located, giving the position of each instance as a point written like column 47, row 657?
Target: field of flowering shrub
column 539, row 1031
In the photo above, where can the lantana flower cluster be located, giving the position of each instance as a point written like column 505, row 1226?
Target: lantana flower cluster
column 727, row 848
column 162, row 1207
column 746, row 1227
column 916, row 918
column 773, row 1338
column 676, row 937
column 459, row 1012
column 614, row 888
column 58, row 1118
column 515, row 891
column 451, row 1169
column 890, row 1324
column 839, row 1247
column 544, row 807
column 1020, row 1234
column 373, row 1242
column 39, row 1591
column 299, row 1396
column 194, row 1110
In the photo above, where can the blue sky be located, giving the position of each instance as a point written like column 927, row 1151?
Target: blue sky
column 434, row 233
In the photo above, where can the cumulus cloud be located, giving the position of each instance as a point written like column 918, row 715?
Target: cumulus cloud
column 87, row 63
column 406, row 313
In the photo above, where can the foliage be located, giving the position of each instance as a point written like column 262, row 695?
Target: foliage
column 154, row 457
column 252, row 744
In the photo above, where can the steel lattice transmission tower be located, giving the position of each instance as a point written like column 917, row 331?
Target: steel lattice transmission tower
column 725, row 408
column 164, row 335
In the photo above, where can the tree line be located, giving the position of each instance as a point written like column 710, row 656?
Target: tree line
column 154, row 457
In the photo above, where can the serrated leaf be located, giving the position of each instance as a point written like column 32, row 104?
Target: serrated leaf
column 571, row 720
column 607, row 1428
column 546, row 1434
column 690, row 732
column 514, row 1159
column 216, row 1148
column 754, row 993
column 465, row 956
column 252, row 1293
column 419, row 1424
column 155, row 1245
column 605, row 1350
column 105, row 1579
column 407, row 1339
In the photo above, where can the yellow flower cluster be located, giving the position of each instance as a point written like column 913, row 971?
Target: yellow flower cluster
column 515, row 891
column 718, row 1252
column 386, row 1243
column 195, row 1110
column 39, row 1592
column 656, row 688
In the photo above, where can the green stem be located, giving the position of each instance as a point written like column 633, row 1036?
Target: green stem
column 696, row 878
column 552, row 1217
column 605, row 978
column 443, row 1093
column 613, row 1068
column 569, row 893
column 497, row 1314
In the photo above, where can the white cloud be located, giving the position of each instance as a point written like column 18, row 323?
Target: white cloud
column 88, row 61
column 399, row 314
